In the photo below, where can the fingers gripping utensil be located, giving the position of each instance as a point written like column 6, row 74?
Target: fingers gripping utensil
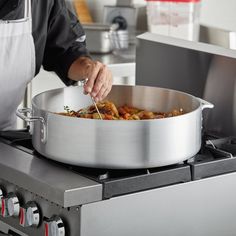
column 94, row 103
column 83, row 83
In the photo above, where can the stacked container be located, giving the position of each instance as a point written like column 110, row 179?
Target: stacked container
column 176, row 18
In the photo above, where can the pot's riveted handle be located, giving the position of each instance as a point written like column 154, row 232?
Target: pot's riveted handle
column 21, row 113
column 205, row 104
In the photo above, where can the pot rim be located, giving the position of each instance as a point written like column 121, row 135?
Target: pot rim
column 34, row 105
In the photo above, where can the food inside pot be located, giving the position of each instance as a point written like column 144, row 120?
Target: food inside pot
column 109, row 111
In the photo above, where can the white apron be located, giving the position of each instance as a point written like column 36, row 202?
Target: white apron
column 17, row 65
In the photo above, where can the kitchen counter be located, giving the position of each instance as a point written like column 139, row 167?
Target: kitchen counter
column 121, row 63
column 117, row 57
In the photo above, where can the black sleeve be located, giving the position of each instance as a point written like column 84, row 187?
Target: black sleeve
column 65, row 41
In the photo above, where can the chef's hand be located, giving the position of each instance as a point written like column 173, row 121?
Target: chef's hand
column 99, row 77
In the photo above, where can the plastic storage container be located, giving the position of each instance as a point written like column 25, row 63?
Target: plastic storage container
column 176, row 18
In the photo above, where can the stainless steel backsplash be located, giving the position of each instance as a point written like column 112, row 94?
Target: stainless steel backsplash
column 206, row 69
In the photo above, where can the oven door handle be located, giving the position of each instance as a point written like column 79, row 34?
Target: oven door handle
column 26, row 115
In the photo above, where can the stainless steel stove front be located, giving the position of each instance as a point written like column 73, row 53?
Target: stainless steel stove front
column 199, row 208
column 56, row 192
column 69, row 204
column 47, row 209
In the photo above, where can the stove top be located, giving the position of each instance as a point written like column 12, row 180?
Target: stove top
column 217, row 156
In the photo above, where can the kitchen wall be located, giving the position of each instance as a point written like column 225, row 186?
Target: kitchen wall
column 216, row 13
column 219, row 13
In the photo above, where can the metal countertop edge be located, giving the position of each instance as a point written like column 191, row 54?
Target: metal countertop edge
column 26, row 175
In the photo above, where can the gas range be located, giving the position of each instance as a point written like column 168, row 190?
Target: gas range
column 43, row 197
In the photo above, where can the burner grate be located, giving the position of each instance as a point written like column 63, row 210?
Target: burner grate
column 119, row 182
column 20, row 139
column 153, row 178
column 218, row 157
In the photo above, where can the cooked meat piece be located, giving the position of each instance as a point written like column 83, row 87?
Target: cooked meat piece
column 109, row 108
column 146, row 115
column 109, row 111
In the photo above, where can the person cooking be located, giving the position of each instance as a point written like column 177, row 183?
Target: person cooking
column 43, row 32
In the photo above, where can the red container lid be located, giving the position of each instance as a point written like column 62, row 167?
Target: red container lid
column 182, row 1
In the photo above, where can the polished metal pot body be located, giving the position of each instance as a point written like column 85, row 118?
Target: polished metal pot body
column 118, row 144
column 98, row 38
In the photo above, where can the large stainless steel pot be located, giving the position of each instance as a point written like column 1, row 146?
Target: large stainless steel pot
column 117, row 144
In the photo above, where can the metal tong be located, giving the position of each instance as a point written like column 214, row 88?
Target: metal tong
column 83, row 83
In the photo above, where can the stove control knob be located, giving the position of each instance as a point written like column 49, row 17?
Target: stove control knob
column 12, row 205
column 4, row 210
column 29, row 215
column 54, row 227
column 1, row 197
